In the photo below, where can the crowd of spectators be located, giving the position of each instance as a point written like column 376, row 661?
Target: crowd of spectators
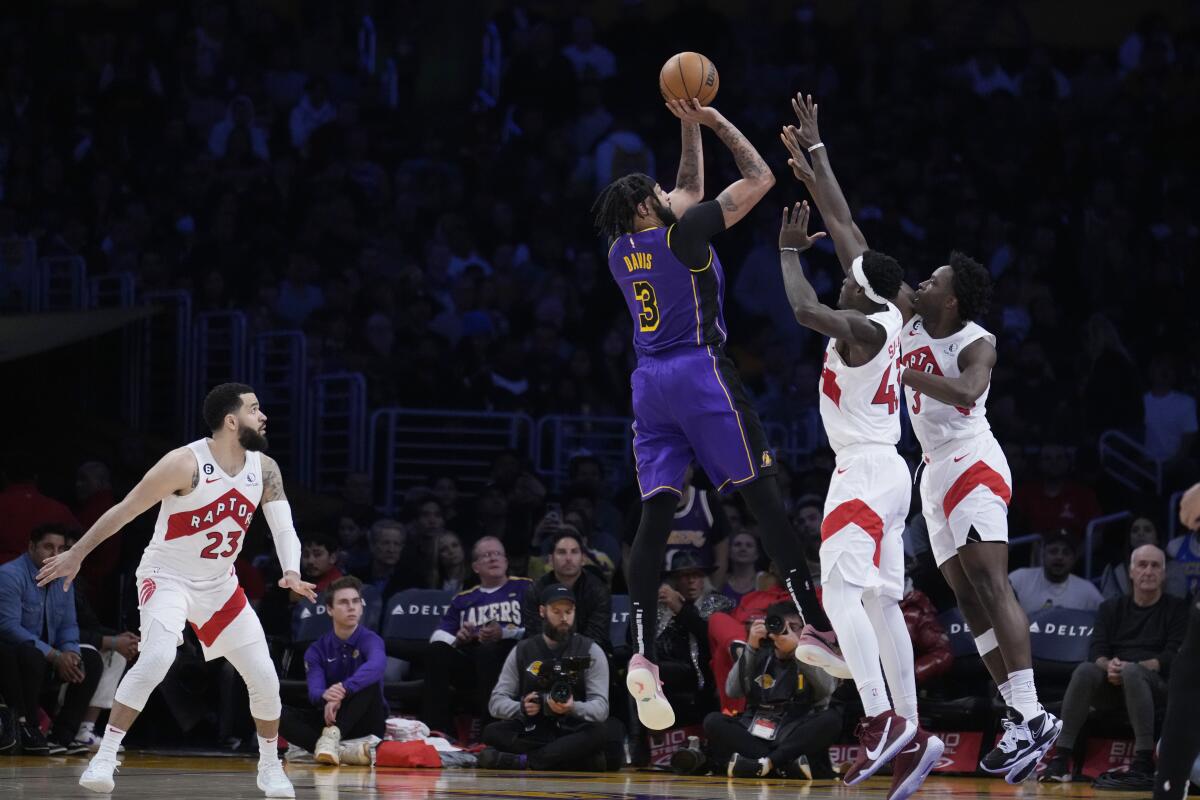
column 408, row 184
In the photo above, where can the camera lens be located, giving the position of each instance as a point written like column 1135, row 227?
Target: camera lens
column 774, row 625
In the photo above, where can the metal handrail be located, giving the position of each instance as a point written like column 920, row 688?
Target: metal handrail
column 1090, row 535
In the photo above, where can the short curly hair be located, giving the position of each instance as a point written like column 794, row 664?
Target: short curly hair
column 972, row 286
column 884, row 273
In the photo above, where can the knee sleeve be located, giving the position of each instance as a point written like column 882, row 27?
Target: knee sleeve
column 253, row 663
column 156, row 653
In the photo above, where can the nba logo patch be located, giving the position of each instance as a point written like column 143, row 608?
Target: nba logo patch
column 146, row 592
column 766, row 459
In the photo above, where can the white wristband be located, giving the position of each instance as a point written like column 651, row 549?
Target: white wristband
column 815, row 146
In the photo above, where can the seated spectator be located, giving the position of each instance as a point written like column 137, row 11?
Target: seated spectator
column 586, row 478
column 602, row 548
column 419, row 559
column 452, row 563
column 1052, row 584
column 729, row 628
column 345, row 684
column 1114, row 581
column 1134, row 641
column 698, row 529
column 788, row 726
column 386, row 539
column 1056, row 502
column 1183, row 570
column 542, row 723
column 593, row 609
column 743, row 567
column 115, row 650
column 39, row 648
column 354, row 551
column 594, row 561
column 684, row 606
column 480, row 627
column 23, row 507
column 318, row 564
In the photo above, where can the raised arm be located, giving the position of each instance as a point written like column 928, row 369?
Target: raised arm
column 850, row 326
column 177, row 471
column 804, row 142
column 975, row 363
column 689, row 181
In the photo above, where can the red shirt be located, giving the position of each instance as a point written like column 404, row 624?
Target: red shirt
column 1071, row 509
column 23, row 508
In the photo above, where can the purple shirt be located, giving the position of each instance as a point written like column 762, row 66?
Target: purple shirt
column 355, row 663
column 478, row 606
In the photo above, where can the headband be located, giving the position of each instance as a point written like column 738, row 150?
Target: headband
column 856, row 268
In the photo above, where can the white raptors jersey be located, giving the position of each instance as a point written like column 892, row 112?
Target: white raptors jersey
column 859, row 405
column 935, row 422
column 198, row 536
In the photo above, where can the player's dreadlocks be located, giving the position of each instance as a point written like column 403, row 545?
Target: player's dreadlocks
column 614, row 208
column 972, row 286
column 883, row 272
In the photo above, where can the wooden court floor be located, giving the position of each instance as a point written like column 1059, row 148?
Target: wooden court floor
column 185, row 778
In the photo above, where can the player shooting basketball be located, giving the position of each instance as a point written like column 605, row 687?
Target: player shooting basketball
column 688, row 401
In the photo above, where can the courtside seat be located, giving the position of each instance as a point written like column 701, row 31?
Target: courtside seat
column 1059, row 639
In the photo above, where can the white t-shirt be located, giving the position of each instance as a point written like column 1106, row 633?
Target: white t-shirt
column 1168, row 419
column 1035, row 591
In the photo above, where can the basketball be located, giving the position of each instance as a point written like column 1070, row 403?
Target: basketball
column 688, row 75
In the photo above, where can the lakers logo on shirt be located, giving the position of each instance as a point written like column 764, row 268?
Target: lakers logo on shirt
column 767, row 460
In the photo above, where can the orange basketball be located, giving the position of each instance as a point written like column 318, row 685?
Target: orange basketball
column 688, row 75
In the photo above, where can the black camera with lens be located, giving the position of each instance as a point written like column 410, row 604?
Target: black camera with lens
column 775, row 624
column 559, row 676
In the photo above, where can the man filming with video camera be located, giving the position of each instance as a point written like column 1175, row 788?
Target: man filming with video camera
column 552, row 697
column 787, row 726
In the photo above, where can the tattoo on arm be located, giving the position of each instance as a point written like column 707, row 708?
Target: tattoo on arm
column 272, row 482
column 748, row 161
column 690, row 177
column 195, row 477
column 727, row 202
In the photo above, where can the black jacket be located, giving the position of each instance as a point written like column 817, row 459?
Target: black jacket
column 593, row 608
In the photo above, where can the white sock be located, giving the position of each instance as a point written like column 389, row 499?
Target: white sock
column 268, row 749
column 895, row 651
column 1024, row 694
column 1006, row 692
column 110, row 742
column 844, row 605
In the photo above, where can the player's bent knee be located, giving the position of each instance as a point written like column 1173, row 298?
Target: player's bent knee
column 155, row 657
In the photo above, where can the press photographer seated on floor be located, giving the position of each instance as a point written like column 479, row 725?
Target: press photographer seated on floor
column 788, row 725
column 552, row 697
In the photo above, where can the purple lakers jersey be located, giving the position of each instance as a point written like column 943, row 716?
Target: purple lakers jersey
column 672, row 305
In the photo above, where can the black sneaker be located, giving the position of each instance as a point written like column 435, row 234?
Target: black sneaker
column 687, row 761
column 33, row 743
column 796, row 768
column 1058, row 770
column 1004, row 754
column 73, row 747
column 1143, row 763
column 1034, row 739
column 742, row 767
column 491, row 758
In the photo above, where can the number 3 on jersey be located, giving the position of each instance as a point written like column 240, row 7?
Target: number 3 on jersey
column 649, row 317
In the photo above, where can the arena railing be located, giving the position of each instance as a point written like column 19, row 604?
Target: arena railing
column 1127, row 462
column 337, row 412
column 167, row 378
column 61, row 284
column 114, row 290
column 1089, row 537
column 408, row 446
column 278, row 373
column 561, row 436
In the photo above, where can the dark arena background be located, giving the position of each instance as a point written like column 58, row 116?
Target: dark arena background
column 378, row 214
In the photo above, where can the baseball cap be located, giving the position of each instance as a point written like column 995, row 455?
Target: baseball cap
column 555, row 592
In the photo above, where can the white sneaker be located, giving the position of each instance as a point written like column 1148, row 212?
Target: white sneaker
column 99, row 774
column 273, row 781
column 326, row 751
column 356, row 754
column 642, row 681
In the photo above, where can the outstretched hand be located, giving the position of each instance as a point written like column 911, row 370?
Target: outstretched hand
column 794, row 231
column 806, row 115
column 291, row 580
column 692, row 111
column 790, row 136
column 64, row 565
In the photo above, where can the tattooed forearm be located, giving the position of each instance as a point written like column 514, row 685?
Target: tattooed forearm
column 748, row 161
column 272, row 482
column 691, row 161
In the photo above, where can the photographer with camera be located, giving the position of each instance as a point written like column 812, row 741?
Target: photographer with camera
column 552, row 697
column 788, row 725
